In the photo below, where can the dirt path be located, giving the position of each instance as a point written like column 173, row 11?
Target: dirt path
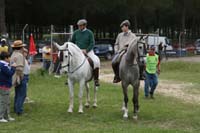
column 186, row 59
column 167, row 88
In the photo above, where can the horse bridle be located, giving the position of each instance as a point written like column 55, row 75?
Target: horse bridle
column 138, row 49
column 68, row 65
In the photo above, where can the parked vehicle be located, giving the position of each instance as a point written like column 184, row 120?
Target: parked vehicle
column 156, row 40
column 104, row 50
column 197, row 46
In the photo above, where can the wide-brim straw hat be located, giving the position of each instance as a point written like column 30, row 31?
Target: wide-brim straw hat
column 18, row 44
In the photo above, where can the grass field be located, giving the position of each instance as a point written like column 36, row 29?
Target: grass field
column 162, row 115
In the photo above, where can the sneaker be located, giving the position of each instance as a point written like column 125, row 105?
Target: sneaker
column 11, row 119
column 3, row 120
column 28, row 100
column 57, row 76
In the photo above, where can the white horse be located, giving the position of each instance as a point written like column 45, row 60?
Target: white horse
column 79, row 70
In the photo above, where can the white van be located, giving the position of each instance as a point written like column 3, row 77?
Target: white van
column 156, row 40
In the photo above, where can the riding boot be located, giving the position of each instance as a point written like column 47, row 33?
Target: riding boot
column 96, row 76
column 115, row 67
column 142, row 76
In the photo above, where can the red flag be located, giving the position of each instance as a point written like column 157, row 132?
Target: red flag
column 32, row 49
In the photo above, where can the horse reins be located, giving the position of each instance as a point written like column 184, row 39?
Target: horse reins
column 68, row 65
column 138, row 50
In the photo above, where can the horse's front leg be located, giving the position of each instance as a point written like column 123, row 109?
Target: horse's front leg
column 82, row 83
column 125, row 92
column 71, row 92
column 135, row 100
column 95, row 96
column 87, row 104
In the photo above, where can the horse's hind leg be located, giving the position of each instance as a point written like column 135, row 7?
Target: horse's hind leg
column 71, row 92
column 82, row 83
column 125, row 92
column 135, row 99
column 87, row 104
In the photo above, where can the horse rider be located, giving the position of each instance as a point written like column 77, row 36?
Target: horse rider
column 123, row 40
column 152, row 68
column 84, row 39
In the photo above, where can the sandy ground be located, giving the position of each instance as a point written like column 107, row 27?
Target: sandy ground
column 167, row 88
column 187, row 59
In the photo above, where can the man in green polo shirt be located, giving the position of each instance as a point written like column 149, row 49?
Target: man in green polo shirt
column 84, row 39
column 152, row 69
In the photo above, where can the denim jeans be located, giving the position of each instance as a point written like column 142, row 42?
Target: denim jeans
column 20, row 95
column 151, row 82
column 4, row 104
column 46, row 64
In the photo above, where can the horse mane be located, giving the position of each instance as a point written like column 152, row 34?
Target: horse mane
column 77, row 49
column 132, row 51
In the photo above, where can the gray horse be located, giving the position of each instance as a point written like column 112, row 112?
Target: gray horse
column 129, row 74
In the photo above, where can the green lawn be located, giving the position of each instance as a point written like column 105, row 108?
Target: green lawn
column 162, row 115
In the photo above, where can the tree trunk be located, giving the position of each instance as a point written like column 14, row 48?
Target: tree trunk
column 135, row 23
column 2, row 17
column 183, row 25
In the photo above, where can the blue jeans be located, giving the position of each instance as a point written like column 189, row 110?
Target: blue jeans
column 20, row 95
column 151, row 81
column 46, row 64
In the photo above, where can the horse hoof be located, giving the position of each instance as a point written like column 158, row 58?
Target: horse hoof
column 70, row 110
column 80, row 111
column 125, row 116
column 95, row 105
column 123, row 108
column 135, row 117
column 87, row 105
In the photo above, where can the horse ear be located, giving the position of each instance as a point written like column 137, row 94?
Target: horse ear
column 61, row 56
column 67, row 47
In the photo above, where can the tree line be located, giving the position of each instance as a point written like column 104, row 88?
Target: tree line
column 171, row 17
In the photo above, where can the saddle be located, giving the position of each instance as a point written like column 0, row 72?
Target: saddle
column 120, row 54
column 90, row 61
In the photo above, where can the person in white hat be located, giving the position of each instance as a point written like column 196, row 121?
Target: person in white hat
column 123, row 40
column 84, row 39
